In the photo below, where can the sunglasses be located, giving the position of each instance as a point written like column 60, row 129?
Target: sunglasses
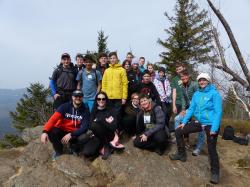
column 101, row 99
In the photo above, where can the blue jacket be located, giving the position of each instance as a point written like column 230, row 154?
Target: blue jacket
column 206, row 106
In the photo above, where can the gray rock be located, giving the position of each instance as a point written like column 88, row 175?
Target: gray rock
column 30, row 134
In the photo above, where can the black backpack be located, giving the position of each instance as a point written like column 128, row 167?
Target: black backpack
column 228, row 133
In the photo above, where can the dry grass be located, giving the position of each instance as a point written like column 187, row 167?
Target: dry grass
column 240, row 126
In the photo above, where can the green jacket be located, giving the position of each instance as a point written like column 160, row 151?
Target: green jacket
column 187, row 93
column 176, row 84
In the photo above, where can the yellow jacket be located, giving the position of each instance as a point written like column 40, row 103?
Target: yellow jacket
column 115, row 82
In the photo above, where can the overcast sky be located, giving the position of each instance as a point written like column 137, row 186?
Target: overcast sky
column 34, row 33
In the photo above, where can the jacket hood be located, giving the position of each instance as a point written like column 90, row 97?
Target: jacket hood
column 208, row 88
column 117, row 65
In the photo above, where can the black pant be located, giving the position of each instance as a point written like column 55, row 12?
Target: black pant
column 89, row 145
column 63, row 98
column 103, row 133
column 158, row 140
column 129, row 124
column 166, row 107
column 117, row 105
column 193, row 127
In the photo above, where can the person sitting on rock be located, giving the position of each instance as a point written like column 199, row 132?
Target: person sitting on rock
column 129, row 115
column 104, row 125
column 69, row 125
column 206, row 106
column 150, row 126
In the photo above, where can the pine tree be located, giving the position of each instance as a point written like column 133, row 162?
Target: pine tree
column 102, row 42
column 189, row 37
column 33, row 109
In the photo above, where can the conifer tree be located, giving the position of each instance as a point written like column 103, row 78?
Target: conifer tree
column 189, row 37
column 102, row 42
column 34, row 108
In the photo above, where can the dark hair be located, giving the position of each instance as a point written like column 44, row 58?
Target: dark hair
column 89, row 58
column 93, row 113
column 142, row 58
column 113, row 53
column 143, row 95
column 79, row 55
column 124, row 62
column 179, row 65
column 145, row 72
column 150, row 64
column 102, row 55
column 184, row 72
column 130, row 53
column 133, row 94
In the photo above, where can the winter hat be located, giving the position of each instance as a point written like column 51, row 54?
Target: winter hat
column 135, row 61
column 204, row 76
column 162, row 69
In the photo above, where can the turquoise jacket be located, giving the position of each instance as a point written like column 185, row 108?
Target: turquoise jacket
column 206, row 106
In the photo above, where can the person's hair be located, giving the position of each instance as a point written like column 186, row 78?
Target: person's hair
column 150, row 64
column 93, row 113
column 102, row 55
column 129, row 53
column 114, row 53
column 180, row 65
column 79, row 55
column 124, row 63
column 146, row 72
column 143, row 95
column 89, row 58
column 184, row 73
column 134, row 94
column 142, row 58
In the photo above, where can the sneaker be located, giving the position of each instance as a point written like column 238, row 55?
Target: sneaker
column 55, row 156
column 107, row 152
column 196, row 152
column 177, row 156
column 214, row 178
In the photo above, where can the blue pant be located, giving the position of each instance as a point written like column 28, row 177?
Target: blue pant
column 89, row 103
column 200, row 137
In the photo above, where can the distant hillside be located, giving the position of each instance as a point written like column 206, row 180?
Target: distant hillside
column 8, row 101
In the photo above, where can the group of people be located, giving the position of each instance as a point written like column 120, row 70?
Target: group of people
column 95, row 103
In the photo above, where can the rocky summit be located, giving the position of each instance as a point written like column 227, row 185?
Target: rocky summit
column 32, row 166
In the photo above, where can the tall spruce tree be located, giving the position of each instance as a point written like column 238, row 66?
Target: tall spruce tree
column 189, row 37
column 102, row 42
column 33, row 109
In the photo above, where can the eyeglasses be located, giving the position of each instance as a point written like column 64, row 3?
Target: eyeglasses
column 101, row 99
column 136, row 98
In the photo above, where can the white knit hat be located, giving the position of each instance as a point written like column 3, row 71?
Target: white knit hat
column 205, row 76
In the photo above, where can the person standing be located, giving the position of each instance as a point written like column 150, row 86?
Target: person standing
column 206, row 107
column 115, row 84
column 80, row 62
column 141, row 64
column 90, row 82
column 63, row 81
column 103, row 63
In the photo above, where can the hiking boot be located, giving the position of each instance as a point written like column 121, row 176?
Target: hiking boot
column 107, row 152
column 196, row 152
column 214, row 178
column 179, row 156
column 55, row 156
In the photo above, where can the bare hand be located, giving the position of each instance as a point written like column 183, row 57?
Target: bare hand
column 66, row 138
column 174, row 109
column 56, row 96
column 123, row 101
column 144, row 138
column 181, row 126
column 182, row 113
column 44, row 138
column 110, row 119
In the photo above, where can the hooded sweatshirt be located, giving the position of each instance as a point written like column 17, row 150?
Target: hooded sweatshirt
column 115, row 82
column 206, row 106
column 69, row 119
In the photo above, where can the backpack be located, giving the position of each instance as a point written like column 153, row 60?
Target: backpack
column 228, row 133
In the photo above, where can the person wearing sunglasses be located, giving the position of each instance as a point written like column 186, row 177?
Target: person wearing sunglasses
column 68, row 126
column 104, row 125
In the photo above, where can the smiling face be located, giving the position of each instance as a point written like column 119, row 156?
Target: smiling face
column 77, row 100
column 113, row 59
column 184, row 79
column 146, row 78
column 101, row 100
column 135, row 99
column 179, row 69
column 150, row 69
column 144, row 103
column 203, row 82
column 79, row 61
column 103, row 61
column 66, row 62
column 126, row 66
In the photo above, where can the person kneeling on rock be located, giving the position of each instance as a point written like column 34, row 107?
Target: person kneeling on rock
column 68, row 126
column 150, row 126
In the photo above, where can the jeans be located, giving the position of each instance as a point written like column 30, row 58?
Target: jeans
column 200, row 137
column 194, row 127
column 89, row 103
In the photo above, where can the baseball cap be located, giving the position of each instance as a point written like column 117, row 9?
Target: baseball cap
column 77, row 93
column 65, row 55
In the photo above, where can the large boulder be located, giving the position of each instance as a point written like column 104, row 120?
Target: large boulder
column 30, row 134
